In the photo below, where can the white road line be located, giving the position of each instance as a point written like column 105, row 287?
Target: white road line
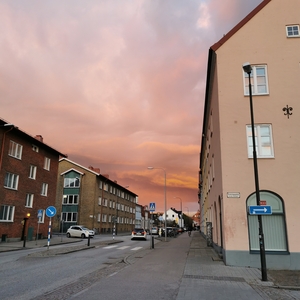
column 109, row 247
column 136, row 248
column 124, row 247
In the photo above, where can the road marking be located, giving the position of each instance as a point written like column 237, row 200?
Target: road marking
column 124, row 247
column 109, row 247
column 136, row 248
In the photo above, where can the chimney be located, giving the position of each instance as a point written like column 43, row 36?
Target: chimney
column 39, row 138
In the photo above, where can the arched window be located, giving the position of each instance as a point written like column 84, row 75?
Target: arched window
column 274, row 225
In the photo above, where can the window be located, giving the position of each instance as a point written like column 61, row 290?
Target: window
column 104, row 202
column 99, row 200
column 29, row 200
column 70, row 199
column 71, row 182
column 259, row 81
column 15, row 150
column 103, row 218
column 110, row 203
column 263, row 141
column 274, row 225
column 32, row 172
column 35, row 148
column 69, row 216
column 11, row 181
column 44, row 189
column 7, row 213
column 292, row 31
column 47, row 163
column 98, row 217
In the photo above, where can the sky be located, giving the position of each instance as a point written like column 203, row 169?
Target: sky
column 116, row 84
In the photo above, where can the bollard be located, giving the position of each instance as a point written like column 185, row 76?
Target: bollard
column 89, row 239
column 152, row 238
column 24, row 241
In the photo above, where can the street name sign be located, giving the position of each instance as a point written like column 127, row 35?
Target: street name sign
column 260, row 210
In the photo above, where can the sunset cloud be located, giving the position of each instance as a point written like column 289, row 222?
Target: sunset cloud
column 118, row 84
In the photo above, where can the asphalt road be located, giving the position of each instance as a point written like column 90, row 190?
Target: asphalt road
column 26, row 276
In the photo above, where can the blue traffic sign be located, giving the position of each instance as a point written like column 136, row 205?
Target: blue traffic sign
column 40, row 213
column 152, row 206
column 260, row 210
column 50, row 211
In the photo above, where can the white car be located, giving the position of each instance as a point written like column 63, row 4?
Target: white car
column 79, row 231
column 139, row 233
column 154, row 230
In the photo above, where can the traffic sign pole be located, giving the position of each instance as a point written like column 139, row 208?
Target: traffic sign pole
column 49, row 233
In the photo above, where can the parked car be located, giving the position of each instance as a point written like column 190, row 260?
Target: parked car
column 154, row 230
column 79, row 231
column 139, row 233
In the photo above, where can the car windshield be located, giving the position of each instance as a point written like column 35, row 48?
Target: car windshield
column 138, row 229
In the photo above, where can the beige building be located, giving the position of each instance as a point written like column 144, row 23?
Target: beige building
column 86, row 197
column 269, row 39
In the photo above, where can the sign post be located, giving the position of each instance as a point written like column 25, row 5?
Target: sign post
column 39, row 216
column 152, row 209
column 50, row 212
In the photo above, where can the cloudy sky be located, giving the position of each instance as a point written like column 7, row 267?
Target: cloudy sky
column 116, row 84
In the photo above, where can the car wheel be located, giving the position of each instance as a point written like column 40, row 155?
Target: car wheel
column 68, row 235
column 83, row 236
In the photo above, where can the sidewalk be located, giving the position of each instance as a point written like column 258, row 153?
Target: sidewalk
column 206, row 277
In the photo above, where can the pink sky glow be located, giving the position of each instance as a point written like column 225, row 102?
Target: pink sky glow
column 118, row 85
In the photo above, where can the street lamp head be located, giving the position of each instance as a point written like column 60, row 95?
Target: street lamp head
column 247, row 68
column 150, row 168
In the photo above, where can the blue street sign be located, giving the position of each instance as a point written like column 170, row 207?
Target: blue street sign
column 152, row 206
column 50, row 211
column 40, row 213
column 260, row 210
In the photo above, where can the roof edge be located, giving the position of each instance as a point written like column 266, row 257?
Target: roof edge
column 237, row 27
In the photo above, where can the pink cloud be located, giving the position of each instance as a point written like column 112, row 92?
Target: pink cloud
column 115, row 84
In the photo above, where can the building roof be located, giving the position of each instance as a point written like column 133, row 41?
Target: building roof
column 38, row 140
column 236, row 28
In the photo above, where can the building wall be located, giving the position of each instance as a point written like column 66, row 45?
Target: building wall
column 258, row 42
column 17, row 198
column 103, row 204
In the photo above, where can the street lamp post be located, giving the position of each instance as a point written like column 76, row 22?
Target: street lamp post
column 180, row 209
column 151, row 168
column 248, row 69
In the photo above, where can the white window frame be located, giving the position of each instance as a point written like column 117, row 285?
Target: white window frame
column 255, row 82
column 98, row 217
column 47, row 162
column 294, row 31
column 7, row 213
column 104, row 218
column 32, row 172
column 11, row 181
column 29, row 200
column 44, row 191
column 258, row 141
column 99, row 201
column 15, row 150
column 72, row 182
column 73, row 217
column 105, row 202
column 70, row 199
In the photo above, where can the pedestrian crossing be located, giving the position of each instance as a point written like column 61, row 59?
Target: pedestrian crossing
column 122, row 248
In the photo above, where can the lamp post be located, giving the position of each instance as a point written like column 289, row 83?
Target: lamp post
column 180, row 209
column 151, row 168
column 248, row 69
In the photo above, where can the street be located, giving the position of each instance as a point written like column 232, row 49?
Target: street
column 25, row 276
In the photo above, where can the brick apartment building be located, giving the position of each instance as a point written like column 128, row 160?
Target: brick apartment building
column 28, row 173
column 86, row 197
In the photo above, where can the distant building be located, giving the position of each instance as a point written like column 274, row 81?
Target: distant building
column 174, row 215
column 28, row 172
column 138, row 216
column 86, row 197
column 268, row 38
column 145, row 217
